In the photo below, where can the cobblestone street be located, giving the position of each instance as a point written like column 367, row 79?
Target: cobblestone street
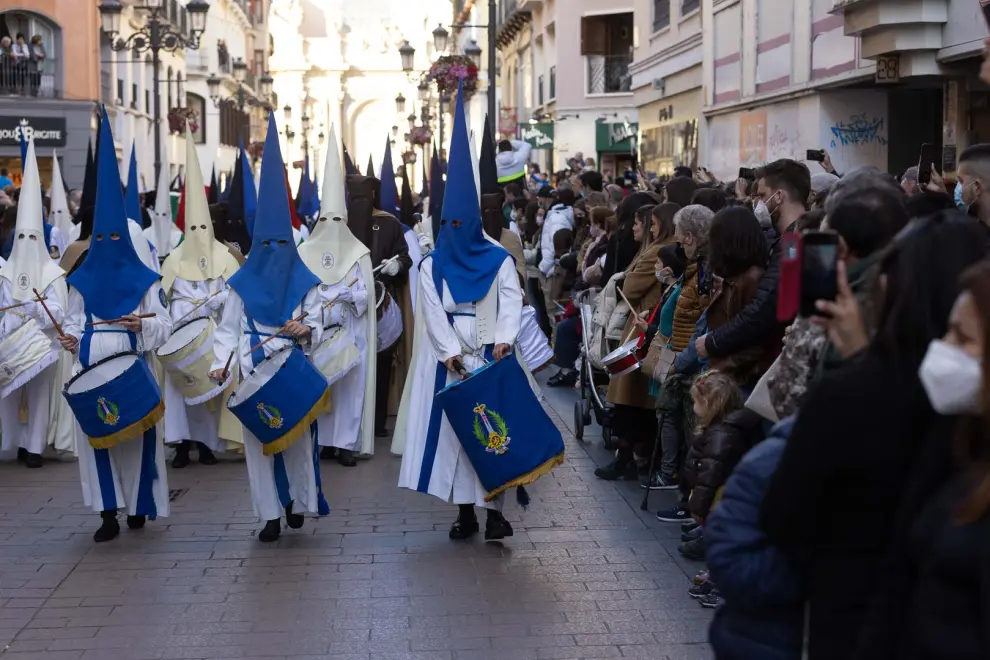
column 587, row 575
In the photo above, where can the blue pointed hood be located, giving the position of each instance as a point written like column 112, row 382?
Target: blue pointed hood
column 250, row 192
column 467, row 261
column 274, row 278
column 389, row 197
column 436, row 191
column 112, row 279
column 132, row 199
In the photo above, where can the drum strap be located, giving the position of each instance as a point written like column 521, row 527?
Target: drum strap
column 259, row 354
column 87, row 339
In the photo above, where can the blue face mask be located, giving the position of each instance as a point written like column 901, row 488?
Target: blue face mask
column 963, row 206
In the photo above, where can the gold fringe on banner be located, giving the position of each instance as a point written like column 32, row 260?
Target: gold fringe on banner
column 528, row 478
column 135, row 430
column 321, row 407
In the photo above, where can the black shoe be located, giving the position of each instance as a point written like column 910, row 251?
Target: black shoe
column 693, row 534
column 660, row 481
column 620, row 468
column 206, row 456
column 110, row 528
column 328, row 453
column 712, row 600
column 293, row 520
column 136, row 522
column 701, row 590
column 675, row 514
column 496, row 527
column 346, row 458
column 693, row 550
column 271, row 531
column 563, row 379
column 181, row 459
column 466, row 524
column 34, row 461
column 22, row 455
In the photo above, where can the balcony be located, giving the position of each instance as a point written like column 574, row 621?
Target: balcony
column 913, row 29
column 609, row 74
column 553, row 83
column 30, row 78
column 513, row 15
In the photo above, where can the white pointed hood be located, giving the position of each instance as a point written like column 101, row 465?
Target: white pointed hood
column 59, row 216
column 200, row 256
column 163, row 233
column 30, row 266
column 332, row 250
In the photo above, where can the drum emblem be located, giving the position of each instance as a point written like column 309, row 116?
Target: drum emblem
column 270, row 415
column 495, row 435
column 107, row 412
column 22, row 280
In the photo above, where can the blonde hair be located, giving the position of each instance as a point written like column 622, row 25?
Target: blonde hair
column 717, row 395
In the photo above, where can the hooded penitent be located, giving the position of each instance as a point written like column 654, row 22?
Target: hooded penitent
column 59, row 215
column 29, row 266
column 362, row 197
column 112, row 280
column 371, row 167
column 407, row 209
column 389, row 196
column 273, row 280
column 250, row 192
column 200, row 256
column 466, row 261
column 349, row 168
column 132, row 200
column 492, row 197
column 163, row 233
column 436, row 191
column 214, row 196
column 232, row 227
column 87, row 203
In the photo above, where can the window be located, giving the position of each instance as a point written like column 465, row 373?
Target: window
column 120, row 91
column 606, row 43
column 168, row 87
column 197, row 103
column 41, row 77
column 661, row 14
column 147, row 101
column 134, row 96
column 689, row 5
column 553, row 82
column 539, row 91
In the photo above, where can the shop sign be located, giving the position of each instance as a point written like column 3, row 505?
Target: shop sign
column 45, row 131
column 539, row 136
column 618, row 137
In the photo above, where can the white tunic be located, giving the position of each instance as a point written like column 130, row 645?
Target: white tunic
column 416, row 254
column 451, row 477
column 342, row 427
column 183, row 421
column 36, row 396
column 57, row 240
column 112, row 478
column 297, row 464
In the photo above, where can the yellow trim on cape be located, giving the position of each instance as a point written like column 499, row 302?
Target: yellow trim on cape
column 323, row 406
column 528, row 478
column 135, row 430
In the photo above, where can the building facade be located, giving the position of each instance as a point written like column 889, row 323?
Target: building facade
column 565, row 76
column 54, row 98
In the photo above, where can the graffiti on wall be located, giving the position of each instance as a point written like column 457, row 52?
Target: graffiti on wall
column 859, row 130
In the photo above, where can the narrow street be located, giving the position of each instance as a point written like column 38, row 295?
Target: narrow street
column 587, row 574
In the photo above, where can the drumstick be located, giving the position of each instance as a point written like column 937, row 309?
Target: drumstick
column 122, row 318
column 334, row 299
column 226, row 368
column 277, row 333
column 199, row 304
column 20, row 304
column 632, row 310
column 57, row 327
column 383, row 264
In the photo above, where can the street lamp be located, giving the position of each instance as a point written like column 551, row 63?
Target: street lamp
column 440, row 39
column 241, row 98
column 287, row 112
column 412, row 121
column 240, row 70
column 157, row 35
column 400, row 104
column 424, row 91
column 473, row 52
column 395, row 131
column 408, row 54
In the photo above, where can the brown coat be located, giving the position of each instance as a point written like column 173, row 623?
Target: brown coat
column 643, row 290
column 690, row 306
column 745, row 366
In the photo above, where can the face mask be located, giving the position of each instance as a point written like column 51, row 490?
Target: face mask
column 763, row 214
column 963, row 206
column 952, row 379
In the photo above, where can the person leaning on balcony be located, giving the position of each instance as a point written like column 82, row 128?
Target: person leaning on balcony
column 6, row 63
column 511, row 161
column 21, row 56
column 38, row 57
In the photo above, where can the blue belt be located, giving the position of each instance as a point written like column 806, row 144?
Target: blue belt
column 469, row 314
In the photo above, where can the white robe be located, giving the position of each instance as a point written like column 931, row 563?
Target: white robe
column 31, row 436
column 59, row 240
column 111, row 478
column 342, row 427
column 416, row 254
column 174, row 238
column 298, row 461
column 451, row 477
column 183, row 421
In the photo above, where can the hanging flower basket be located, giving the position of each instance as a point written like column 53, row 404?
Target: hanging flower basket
column 179, row 117
column 420, row 136
column 449, row 70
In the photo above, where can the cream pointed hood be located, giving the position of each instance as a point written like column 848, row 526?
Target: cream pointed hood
column 163, row 233
column 30, row 266
column 200, row 256
column 59, row 216
column 332, row 250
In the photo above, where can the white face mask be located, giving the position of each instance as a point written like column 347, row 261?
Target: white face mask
column 514, row 215
column 952, row 379
column 763, row 214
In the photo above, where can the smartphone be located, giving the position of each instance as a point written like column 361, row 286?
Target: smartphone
column 789, row 284
column 817, row 155
column 985, row 4
column 929, row 157
column 819, row 269
column 747, row 173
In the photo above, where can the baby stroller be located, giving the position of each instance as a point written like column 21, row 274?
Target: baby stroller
column 592, row 377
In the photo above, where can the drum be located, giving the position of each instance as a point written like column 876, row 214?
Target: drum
column 187, row 357
column 533, row 344
column 337, row 354
column 280, row 398
column 502, row 427
column 389, row 318
column 623, row 360
column 24, row 354
column 115, row 400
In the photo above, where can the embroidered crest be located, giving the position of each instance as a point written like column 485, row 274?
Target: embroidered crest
column 54, row 253
column 203, row 263
column 327, row 261
column 107, row 412
column 495, row 434
column 23, row 281
column 270, row 416
column 162, row 298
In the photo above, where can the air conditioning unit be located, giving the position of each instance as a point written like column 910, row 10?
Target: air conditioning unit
column 659, row 85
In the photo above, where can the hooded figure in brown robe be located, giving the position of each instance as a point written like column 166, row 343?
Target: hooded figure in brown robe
column 492, row 200
column 382, row 233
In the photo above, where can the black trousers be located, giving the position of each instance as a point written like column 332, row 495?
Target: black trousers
column 382, row 383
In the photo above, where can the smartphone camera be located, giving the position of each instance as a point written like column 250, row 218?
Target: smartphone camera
column 816, row 155
column 747, row 173
column 819, row 269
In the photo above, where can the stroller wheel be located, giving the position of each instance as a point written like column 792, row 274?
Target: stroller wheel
column 578, row 421
column 585, row 412
column 607, row 439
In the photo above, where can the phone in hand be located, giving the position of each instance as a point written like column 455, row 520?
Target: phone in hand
column 816, row 155
column 927, row 159
column 747, row 173
column 789, row 284
column 819, row 269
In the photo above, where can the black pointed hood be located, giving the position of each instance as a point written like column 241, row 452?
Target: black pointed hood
column 406, row 207
column 371, row 167
column 486, row 163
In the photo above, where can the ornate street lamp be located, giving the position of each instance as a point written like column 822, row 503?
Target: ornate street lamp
column 440, row 39
column 408, row 55
column 473, row 52
column 400, row 104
